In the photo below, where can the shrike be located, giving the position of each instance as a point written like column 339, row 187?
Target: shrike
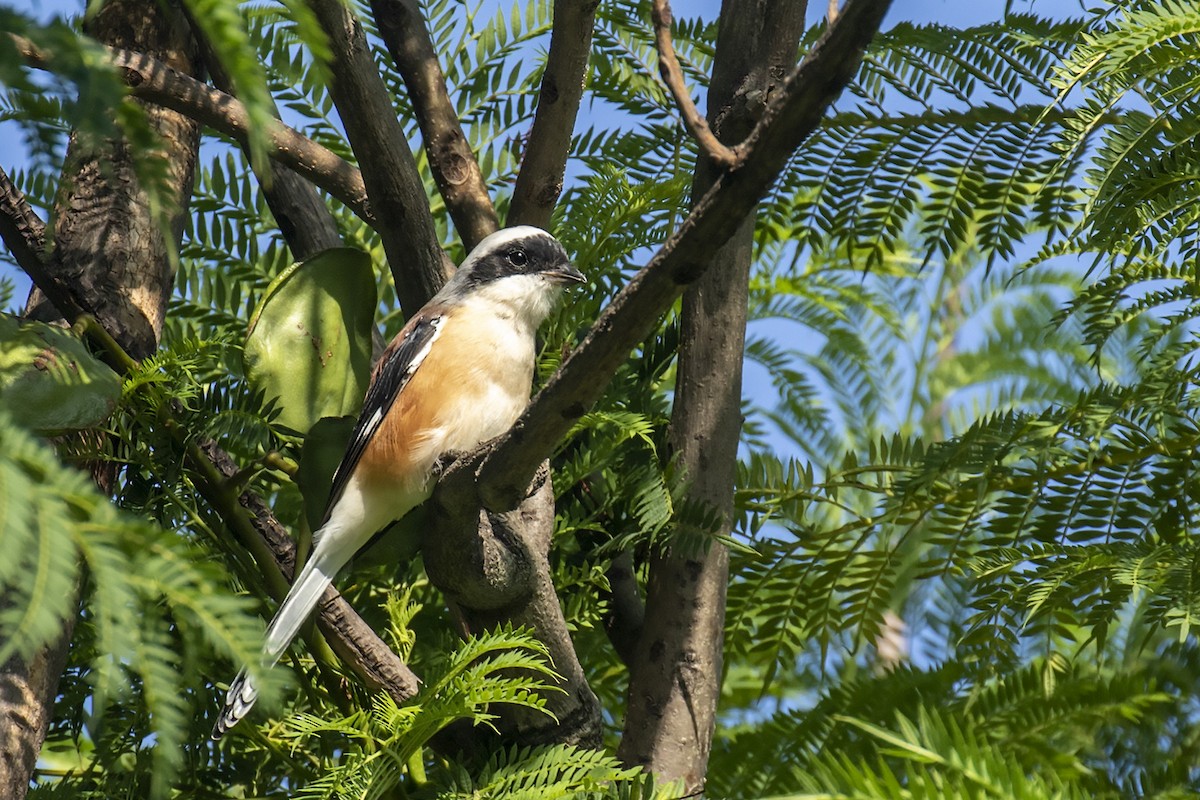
column 458, row 374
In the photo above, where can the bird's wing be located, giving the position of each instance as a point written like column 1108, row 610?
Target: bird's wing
column 392, row 373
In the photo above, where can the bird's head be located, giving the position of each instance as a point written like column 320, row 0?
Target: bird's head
column 521, row 268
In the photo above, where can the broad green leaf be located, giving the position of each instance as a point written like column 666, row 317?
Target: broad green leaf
column 49, row 382
column 323, row 449
column 309, row 342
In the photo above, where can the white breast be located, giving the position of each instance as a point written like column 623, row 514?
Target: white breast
column 494, row 371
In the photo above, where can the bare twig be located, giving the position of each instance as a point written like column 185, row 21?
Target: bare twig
column 540, row 179
column 454, row 167
column 793, row 112
column 155, row 82
column 418, row 265
column 832, row 14
column 672, row 74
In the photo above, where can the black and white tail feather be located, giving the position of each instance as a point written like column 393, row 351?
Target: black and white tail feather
column 303, row 597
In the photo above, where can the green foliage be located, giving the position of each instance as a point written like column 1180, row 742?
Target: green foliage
column 308, row 344
column 144, row 589
column 49, row 382
column 955, row 439
column 535, row 773
column 385, row 747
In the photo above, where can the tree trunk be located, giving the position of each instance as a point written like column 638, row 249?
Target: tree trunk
column 675, row 674
column 113, row 252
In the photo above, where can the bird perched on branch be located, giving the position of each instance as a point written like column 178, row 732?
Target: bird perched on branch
column 458, row 374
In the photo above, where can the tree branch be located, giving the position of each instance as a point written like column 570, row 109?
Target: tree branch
column 793, row 112
column 303, row 218
column 540, row 178
column 454, row 167
column 418, row 265
column 672, row 74
column 494, row 570
column 25, row 236
column 153, row 81
column 352, row 639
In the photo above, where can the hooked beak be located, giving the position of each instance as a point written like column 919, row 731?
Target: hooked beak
column 565, row 273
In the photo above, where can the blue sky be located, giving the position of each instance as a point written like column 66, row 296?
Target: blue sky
column 13, row 153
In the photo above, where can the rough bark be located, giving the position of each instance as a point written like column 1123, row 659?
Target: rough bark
column 494, row 569
column 453, row 164
column 113, row 255
column 675, row 676
column 398, row 200
column 540, row 179
column 27, row 691
column 107, row 242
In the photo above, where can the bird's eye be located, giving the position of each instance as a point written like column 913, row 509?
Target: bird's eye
column 517, row 258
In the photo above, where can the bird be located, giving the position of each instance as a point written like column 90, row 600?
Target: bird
column 458, row 374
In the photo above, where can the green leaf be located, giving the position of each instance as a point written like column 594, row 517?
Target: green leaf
column 309, row 342
column 319, row 459
column 49, row 382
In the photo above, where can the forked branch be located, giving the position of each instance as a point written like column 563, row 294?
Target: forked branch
column 793, row 112
column 672, row 74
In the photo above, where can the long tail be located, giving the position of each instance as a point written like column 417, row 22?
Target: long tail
column 299, row 603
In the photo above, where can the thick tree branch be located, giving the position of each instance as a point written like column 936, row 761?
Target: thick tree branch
column 675, row 673
column 303, row 218
column 25, row 236
column 793, row 112
column 676, row 667
column 540, row 179
column 155, row 82
column 27, row 693
column 454, row 167
column 494, row 570
column 672, row 75
column 418, row 265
